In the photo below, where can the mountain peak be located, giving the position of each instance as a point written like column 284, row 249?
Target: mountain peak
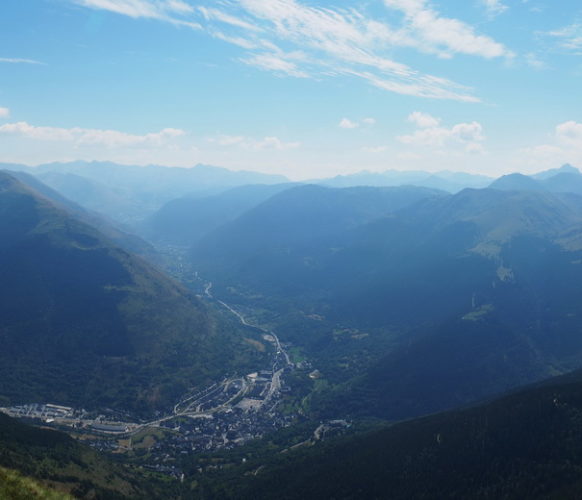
column 516, row 182
column 564, row 169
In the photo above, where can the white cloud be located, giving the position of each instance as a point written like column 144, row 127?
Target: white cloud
column 178, row 6
column 423, row 120
column 212, row 14
column 276, row 63
column 9, row 60
column 566, row 147
column 570, row 134
column 433, row 33
column 22, row 142
column 250, row 144
column 569, row 37
column 468, row 132
column 466, row 135
column 95, row 137
column 273, row 143
column 426, row 86
column 4, row 112
column 494, row 7
column 172, row 11
column 346, row 123
column 322, row 42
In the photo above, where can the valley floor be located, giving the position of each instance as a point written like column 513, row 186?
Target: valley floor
column 224, row 415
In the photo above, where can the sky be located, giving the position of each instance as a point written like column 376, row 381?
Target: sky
column 303, row 88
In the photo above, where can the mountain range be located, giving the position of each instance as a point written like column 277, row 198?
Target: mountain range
column 129, row 193
column 447, row 181
column 566, row 179
column 448, row 298
column 393, row 303
column 133, row 194
column 186, row 220
column 85, row 323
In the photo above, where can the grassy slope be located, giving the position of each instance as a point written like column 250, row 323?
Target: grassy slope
column 59, row 463
column 14, row 486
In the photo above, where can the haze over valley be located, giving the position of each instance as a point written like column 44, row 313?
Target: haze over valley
column 289, row 249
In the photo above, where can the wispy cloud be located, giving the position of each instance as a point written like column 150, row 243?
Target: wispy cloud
column 278, row 63
column 494, row 7
column 212, row 14
column 423, row 120
column 569, row 37
column 4, row 113
column 292, row 38
column 269, row 143
column 12, row 60
column 114, row 139
column 173, row 11
column 346, row 123
column 87, row 137
column 426, row 29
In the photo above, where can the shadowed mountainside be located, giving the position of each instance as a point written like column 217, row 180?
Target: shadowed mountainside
column 85, row 323
column 525, row 445
column 476, row 292
column 187, row 220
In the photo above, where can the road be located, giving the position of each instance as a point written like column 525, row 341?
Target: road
column 243, row 320
column 194, row 402
column 188, row 412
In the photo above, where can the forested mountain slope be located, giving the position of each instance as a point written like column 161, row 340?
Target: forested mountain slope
column 525, row 445
column 85, row 323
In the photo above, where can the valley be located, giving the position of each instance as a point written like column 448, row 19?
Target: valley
column 290, row 250
column 225, row 414
column 312, row 317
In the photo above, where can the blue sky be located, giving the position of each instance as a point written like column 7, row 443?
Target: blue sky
column 303, row 88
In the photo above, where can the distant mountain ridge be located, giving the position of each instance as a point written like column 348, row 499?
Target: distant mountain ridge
column 566, row 179
column 129, row 193
column 289, row 224
column 564, row 169
column 186, row 220
column 109, row 228
column 444, row 180
column 452, row 182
